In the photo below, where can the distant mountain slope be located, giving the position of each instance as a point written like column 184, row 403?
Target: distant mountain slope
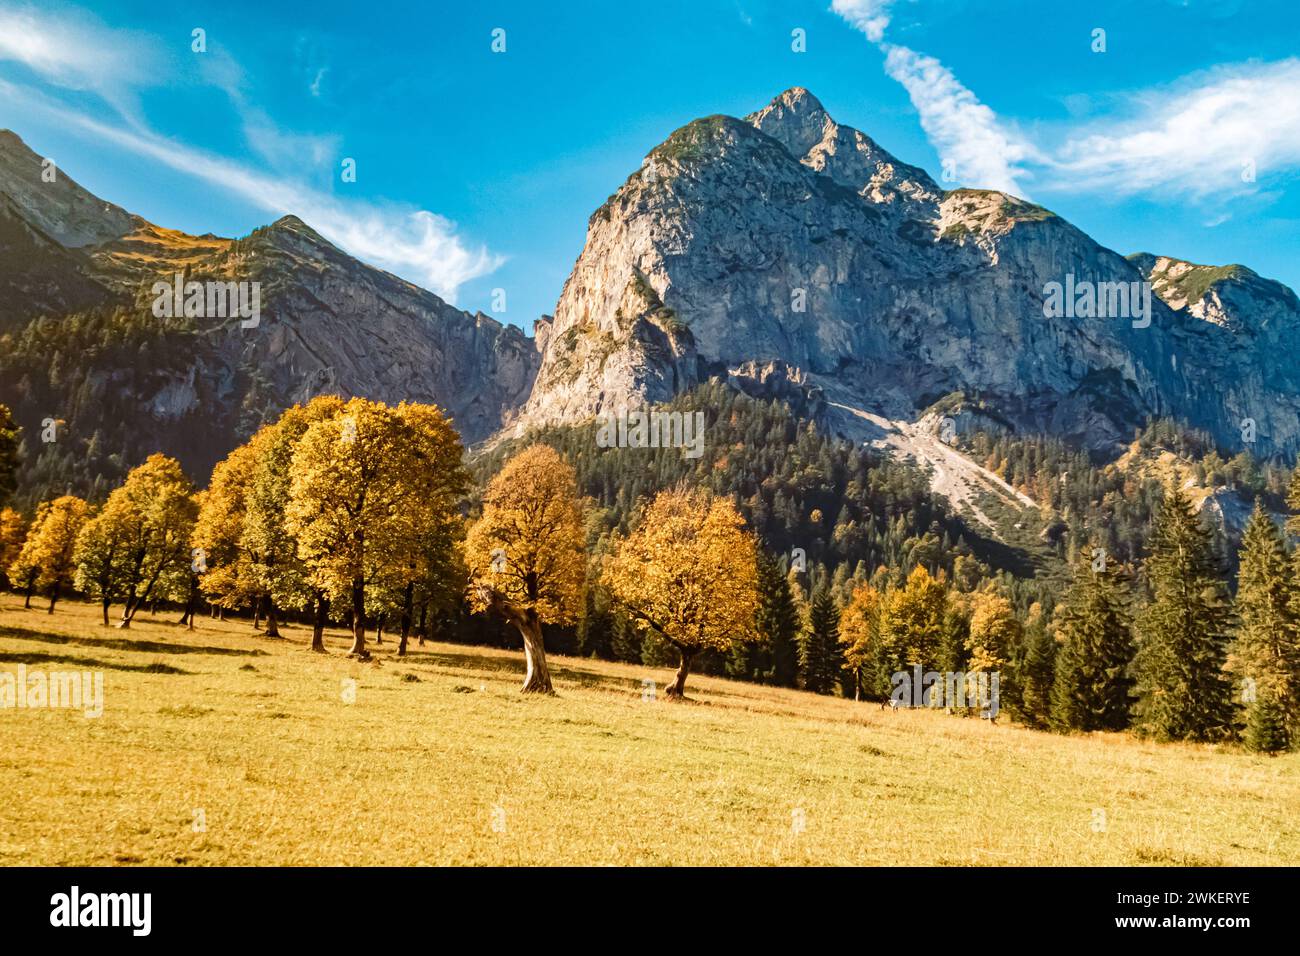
column 83, row 269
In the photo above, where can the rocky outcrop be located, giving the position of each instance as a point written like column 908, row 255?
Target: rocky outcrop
column 787, row 238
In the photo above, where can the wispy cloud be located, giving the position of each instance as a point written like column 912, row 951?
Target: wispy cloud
column 75, row 51
column 72, row 52
column 1194, row 138
column 982, row 149
column 869, row 16
column 1204, row 136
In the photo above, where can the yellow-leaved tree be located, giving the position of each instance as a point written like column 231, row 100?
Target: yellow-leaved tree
column 141, row 537
column 226, row 569
column 912, row 621
column 365, row 481
column 860, row 635
column 271, row 551
column 525, row 554
column 689, row 573
column 51, row 545
column 994, row 632
column 13, row 532
column 22, row 571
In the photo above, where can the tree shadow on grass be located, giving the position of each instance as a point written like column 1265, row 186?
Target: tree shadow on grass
column 121, row 644
column 515, row 669
column 88, row 663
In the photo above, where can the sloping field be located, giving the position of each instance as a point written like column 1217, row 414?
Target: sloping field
column 218, row 746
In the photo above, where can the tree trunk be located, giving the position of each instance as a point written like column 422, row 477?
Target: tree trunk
column 424, row 616
column 407, row 601
column 104, row 603
column 272, row 626
column 537, row 676
column 31, row 588
column 190, row 597
column 318, row 627
column 677, row 689
column 379, row 628
column 359, row 621
column 257, row 613
column 54, row 597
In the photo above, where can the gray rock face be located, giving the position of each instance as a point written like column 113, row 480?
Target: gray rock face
column 331, row 324
column 788, row 238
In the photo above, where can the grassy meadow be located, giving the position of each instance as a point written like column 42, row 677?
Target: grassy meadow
column 220, row 747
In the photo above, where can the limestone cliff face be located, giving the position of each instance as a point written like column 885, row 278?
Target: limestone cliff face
column 787, row 238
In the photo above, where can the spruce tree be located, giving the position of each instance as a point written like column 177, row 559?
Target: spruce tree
column 1266, row 729
column 1184, row 693
column 822, row 658
column 774, row 658
column 1036, row 676
column 1265, row 657
column 1091, row 687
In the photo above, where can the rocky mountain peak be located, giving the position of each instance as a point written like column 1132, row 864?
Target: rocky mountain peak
column 51, row 201
column 789, row 250
column 796, row 119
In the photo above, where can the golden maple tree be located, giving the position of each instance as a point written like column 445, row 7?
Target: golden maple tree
column 689, row 573
column 525, row 554
column 366, row 484
column 50, row 548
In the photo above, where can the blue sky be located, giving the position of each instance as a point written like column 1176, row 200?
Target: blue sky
column 478, row 170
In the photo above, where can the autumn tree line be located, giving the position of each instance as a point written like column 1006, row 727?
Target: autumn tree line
column 363, row 514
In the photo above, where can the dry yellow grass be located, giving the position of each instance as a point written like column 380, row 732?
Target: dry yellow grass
column 439, row 760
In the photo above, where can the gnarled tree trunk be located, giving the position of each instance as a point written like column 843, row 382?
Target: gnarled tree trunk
column 677, row 689
column 537, row 676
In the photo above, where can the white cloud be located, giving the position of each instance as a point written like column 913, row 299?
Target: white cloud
column 966, row 133
column 1196, row 138
column 869, row 16
column 1193, row 138
column 963, row 130
column 74, row 52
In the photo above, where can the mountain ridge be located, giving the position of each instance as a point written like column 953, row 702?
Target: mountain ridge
column 908, row 292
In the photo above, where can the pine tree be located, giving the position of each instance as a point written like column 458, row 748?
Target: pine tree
column 774, row 657
column 1091, row 687
column 1266, row 727
column 821, row 659
column 1184, row 693
column 1036, row 676
column 1265, row 658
